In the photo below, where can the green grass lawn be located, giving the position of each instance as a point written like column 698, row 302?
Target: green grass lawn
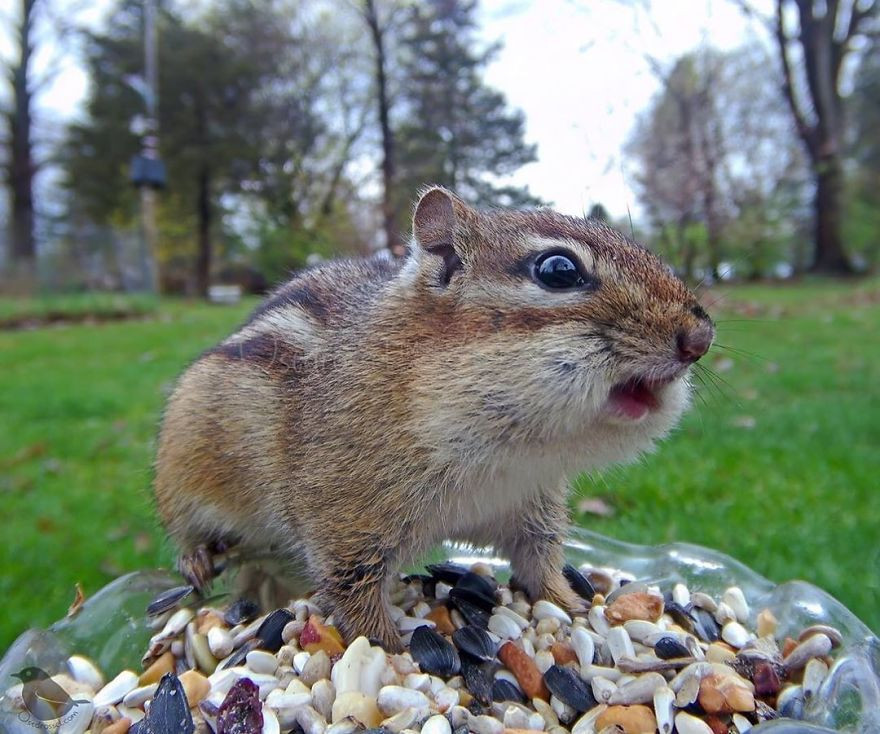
column 777, row 464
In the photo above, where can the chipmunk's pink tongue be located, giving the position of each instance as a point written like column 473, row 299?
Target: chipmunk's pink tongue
column 632, row 399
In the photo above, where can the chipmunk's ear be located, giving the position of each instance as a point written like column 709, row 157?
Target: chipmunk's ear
column 437, row 224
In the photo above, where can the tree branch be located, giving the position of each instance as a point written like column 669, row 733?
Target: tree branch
column 840, row 46
column 751, row 12
column 805, row 130
column 326, row 207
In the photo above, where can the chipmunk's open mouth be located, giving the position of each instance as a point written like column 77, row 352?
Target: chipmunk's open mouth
column 635, row 397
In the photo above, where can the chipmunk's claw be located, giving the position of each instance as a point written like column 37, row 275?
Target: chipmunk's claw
column 558, row 591
column 197, row 568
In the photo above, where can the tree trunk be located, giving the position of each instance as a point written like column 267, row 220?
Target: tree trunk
column 711, row 146
column 205, row 213
column 825, row 41
column 21, row 163
column 713, row 228
column 830, row 257
column 392, row 233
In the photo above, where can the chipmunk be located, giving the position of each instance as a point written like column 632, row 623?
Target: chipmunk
column 371, row 408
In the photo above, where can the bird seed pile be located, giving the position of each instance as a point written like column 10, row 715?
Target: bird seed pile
column 479, row 657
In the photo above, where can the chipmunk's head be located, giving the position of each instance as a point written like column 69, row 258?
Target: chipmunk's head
column 543, row 329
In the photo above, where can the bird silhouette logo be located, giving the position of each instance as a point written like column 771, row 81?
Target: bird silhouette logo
column 44, row 699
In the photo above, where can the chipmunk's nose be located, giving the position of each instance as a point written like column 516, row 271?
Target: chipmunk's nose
column 694, row 342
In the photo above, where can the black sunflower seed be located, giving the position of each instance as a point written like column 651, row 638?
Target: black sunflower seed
column 473, row 613
column 486, row 603
column 680, row 615
column 168, row 600
column 668, row 648
column 447, row 572
column 695, row 620
column 237, row 658
column 504, row 690
column 475, row 641
column 269, row 633
column 169, row 712
column 479, row 584
column 241, row 612
column 477, row 681
column 705, row 626
column 433, row 652
column 569, row 688
column 578, row 582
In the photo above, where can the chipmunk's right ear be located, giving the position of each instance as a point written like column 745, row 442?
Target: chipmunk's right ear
column 437, row 228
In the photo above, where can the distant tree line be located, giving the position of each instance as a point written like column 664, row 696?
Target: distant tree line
column 272, row 117
column 297, row 127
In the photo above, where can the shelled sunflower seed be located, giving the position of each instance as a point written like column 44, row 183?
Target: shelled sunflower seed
column 480, row 657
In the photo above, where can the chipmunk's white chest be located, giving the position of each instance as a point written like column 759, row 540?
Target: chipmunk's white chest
column 487, row 494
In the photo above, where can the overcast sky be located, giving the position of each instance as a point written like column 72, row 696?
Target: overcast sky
column 577, row 68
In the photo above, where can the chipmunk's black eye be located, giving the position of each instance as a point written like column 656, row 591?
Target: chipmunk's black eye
column 558, row 271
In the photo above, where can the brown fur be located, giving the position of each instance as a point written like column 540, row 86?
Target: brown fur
column 370, row 408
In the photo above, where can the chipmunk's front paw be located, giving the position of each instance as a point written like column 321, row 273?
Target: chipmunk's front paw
column 557, row 590
column 197, row 568
column 378, row 629
column 361, row 615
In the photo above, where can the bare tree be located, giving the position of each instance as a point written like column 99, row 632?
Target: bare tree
column 712, row 147
column 39, row 25
column 825, row 36
column 679, row 146
column 377, row 34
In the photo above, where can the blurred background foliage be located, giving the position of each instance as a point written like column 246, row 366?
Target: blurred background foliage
column 292, row 129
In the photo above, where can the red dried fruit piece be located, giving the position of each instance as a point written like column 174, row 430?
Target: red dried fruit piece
column 317, row 636
column 310, row 634
column 241, row 711
column 766, row 679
